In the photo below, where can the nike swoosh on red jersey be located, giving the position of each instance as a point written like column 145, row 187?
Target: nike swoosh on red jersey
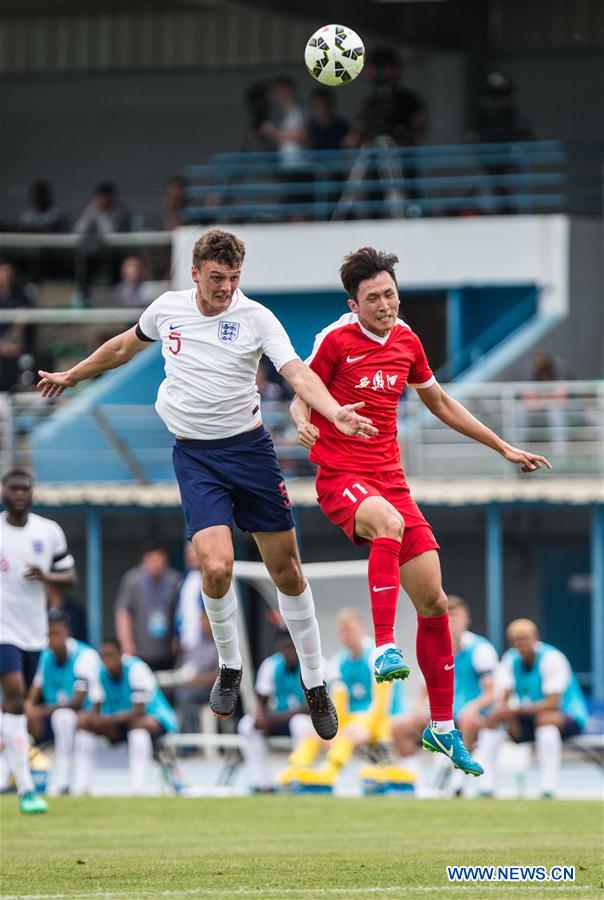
column 350, row 359
column 376, row 590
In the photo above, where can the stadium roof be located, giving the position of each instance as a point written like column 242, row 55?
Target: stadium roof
column 431, row 492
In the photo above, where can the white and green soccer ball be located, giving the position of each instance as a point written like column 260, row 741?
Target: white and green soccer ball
column 334, row 55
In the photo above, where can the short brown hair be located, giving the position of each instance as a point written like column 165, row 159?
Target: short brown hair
column 367, row 262
column 221, row 247
column 456, row 602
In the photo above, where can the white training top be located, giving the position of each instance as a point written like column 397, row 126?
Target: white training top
column 211, row 362
column 41, row 542
column 554, row 668
column 484, row 655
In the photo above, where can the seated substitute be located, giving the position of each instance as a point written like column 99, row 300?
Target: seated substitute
column 475, row 661
column 133, row 709
column 66, row 681
column 542, row 700
column 282, row 710
column 364, row 711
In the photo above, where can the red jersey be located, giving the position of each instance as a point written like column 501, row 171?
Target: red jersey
column 356, row 365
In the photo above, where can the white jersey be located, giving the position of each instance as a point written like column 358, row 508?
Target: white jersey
column 211, row 362
column 41, row 542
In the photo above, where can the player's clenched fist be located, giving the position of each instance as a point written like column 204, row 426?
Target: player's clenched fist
column 308, row 435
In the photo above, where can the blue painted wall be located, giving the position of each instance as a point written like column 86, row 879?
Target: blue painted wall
column 305, row 314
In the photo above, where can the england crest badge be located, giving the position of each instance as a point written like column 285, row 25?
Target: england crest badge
column 228, row 331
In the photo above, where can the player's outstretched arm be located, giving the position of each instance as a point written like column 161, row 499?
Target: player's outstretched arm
column 456, row 416
column 311, row 389
column 308, row 433
column 110, row 355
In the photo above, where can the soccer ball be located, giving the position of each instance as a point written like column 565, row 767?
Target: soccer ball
column 334, row 55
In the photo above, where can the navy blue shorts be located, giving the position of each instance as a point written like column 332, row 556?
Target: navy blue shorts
column 527, row 729
column 13, row 659
column 236, row 478
column 122, row 733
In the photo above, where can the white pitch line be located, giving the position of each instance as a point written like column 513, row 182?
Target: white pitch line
column 305, row 892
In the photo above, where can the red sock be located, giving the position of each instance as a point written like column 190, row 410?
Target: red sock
column 435, row 658
column 384, row 585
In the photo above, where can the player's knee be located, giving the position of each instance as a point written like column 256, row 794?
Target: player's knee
column 63, row 716
column 217, row 575
column 546, row 717
column 433, row 601
column 391, row 525
column 14, row 704
column 288, row 576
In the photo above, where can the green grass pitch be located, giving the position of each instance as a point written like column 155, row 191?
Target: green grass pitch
column 299, row 847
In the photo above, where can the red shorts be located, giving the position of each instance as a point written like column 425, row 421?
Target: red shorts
column 340, row 493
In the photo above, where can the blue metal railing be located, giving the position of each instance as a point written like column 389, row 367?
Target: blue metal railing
column 382, row 181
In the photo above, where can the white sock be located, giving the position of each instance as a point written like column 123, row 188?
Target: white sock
column 442, row 727
column 222, row 613
column 299, row 616
column 84, row 745
column 140, row 752
column 377, row 651
column 17, row 747
column 254, row 750
column 549, row 755
column 487, row 745
column 63, row 723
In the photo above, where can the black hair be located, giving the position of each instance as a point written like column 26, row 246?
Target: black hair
column 106, row 187
column 364, row 263
column 285, row 81
column 113, row 641
column 16, row 473
column 153, row 547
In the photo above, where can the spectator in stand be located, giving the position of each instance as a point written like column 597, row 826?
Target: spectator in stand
column 199, row 669
column 326, row 129
column 131, row 290
column 288, row 133
column 288, row 136
column 145, row 609
column 258, row 103
column 496, row 120
column 496, row 117
column 104, row 214
column 546, row 405
column 12, row 294
column 389, row 111
column 15, row 337
column 174, row 203
column 42, row 216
